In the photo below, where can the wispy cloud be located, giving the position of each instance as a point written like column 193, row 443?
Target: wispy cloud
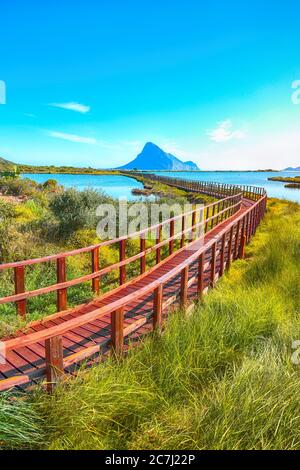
column 72, row 137
column 225, row 132
column 72, row 106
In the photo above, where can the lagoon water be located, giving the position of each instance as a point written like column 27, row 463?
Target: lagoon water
column 114, row 185
column 121, row 186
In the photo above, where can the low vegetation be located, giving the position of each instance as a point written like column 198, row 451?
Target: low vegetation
column 70, row 170
column 221, row 379
column 292, row 182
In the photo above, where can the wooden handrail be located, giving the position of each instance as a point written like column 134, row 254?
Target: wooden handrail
column 58, row 330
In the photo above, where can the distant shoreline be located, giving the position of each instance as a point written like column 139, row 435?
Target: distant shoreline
column 92, row 171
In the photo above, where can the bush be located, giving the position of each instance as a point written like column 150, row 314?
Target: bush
column 18, row 187
column 7, row 211
column 76, row 210
column 50, row 185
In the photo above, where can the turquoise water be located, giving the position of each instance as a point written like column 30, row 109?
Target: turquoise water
column 121, row 186
column 113, row 185
column 274, row 188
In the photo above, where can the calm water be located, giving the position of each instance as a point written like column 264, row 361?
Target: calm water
column 121, row 186
column 113, row 185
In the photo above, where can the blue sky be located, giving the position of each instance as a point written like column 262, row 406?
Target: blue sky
column 89, row 82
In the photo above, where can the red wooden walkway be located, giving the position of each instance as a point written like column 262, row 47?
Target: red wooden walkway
column 58, row 343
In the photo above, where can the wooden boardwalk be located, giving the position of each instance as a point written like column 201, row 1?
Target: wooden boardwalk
column 57, row 344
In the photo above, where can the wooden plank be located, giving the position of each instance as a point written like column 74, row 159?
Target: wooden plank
column 17, row 380
column 19, row 274
column 134, row 326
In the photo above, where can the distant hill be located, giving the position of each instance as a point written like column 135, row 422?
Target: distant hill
column 292, row 169
column 6, row 165
column 154, row 158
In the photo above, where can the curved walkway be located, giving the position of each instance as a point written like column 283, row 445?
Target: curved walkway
column 56, row 344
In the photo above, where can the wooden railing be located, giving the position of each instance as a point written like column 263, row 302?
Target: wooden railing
column 219, row 250
column 217, row 190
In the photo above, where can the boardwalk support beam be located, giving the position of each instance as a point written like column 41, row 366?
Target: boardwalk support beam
column 54, row 361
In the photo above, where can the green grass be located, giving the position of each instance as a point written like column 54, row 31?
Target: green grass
column 222, row 379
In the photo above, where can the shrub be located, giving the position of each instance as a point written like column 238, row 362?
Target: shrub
column 76, row 210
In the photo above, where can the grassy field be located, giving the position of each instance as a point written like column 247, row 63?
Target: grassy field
column 222, row 379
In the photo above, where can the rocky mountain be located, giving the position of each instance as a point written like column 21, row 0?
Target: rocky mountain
column 292, row 169
column 154, row 158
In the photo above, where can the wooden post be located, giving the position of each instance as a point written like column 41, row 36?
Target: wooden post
column 158, row 240
column 184, row 287
column 61, row 277
column 54, row 361
column 143, row 258
column 122, row 252
column 157, row 307
column 200, row 283
column 206, row 223
column 171, row 243
column 237, row 236
column 213, row 264
column 117, row 331
column 95, row 268
column 19, row 273
column 222, row 257
column 230, row 248
column 183, row 234
column 218, row 210
column 194, row 215
column 243, row 246
column 213, row 217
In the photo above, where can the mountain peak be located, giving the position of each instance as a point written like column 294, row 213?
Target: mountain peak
column 153, row 157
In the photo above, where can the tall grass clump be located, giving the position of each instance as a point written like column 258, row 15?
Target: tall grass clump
column 20, row 425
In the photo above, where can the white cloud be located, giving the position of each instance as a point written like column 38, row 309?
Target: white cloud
column 29, row 115
column 72, row 137
column 72, row 106
column 225, row 132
